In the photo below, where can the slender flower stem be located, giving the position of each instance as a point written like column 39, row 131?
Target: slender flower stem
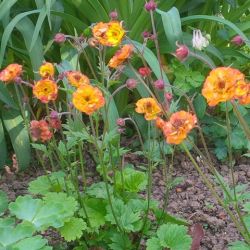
column 80, row 148
column 214, row 193
column 241, row 120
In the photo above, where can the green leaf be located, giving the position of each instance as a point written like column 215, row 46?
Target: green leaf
column 5, row 6
column 3, row 148
column 126, row 217
column 48, row 183
column 10, row 235
column 120, row 242
column 8, row 30
column 96, row 211
column 5, row 96
column 200, row 106
column 134, row 181
column 73, row 229
column 34, row 243
column 174, row 237
column 98, row 190
column 19, row 136
column 239, row 245
column 172, row 26
column 3, row 201
column 153, row 244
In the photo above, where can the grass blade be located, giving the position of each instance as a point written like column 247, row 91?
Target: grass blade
column 3, row 148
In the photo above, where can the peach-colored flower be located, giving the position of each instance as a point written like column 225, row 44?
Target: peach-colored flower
column 242, row 92
column 177, row 128
column 40, row 130
column 121, row 55
column 45, row 90
column 149, row 107
column 108, row 34
column 88, row 99
column 220, row 85
column 76, row 78
column 11, row 72
column 47, row 70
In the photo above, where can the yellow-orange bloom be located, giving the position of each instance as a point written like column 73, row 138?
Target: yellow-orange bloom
column 11, row 72
column 149, row 107
column 243, row 92
column 108, row 34
column 120, row 56
column 47, row 70
column 220, row 85
column 76, row 78
column 88, row 99
column 45, row 90
column 179, row 125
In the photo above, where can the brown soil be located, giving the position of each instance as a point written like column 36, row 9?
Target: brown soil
column 190, row 200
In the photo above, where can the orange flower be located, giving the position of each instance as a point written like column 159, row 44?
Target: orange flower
column 178, row 127
column 108, row 34
column 243, row 93
column 88, row 99
column 220, row 85
column 11, row 72
column 76, row 78
column 159, row 123
column 47, row 70
column 120, row 56
column 45, row 90
column 40, row 130
column 148, row 106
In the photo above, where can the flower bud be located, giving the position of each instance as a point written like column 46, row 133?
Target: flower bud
column 120, row 122
column 59, row 38
column 131, row 83
column 113, row 15
column 168, row 96
column 92, row 42
column 150, row 6
column 53, row 114
column 144, row 71
column 18, row 80
column 121, row 130
column 182, row 52
column 199, row 41
column 237, row 40
column 159, row 84
column 146, row 34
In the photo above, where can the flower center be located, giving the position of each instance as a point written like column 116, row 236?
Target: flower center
column 221, row 84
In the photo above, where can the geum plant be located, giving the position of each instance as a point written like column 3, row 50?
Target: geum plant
column 118, row 211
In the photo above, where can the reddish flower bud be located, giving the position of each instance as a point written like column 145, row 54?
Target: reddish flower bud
column 53, row 114
column 150, row 6
column 182, row 52
column 120, row 122
column 113, row 15
column 168, row 96
column 237, row 40
column 144, row 71
column 59, row 38
column 18, row 80
column 131, row 83
column 159, row 84
column 121, row 130
column 146, row 34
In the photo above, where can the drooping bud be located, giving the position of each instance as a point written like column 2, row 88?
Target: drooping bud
column 159, row 84
column 144, row 71
column 150, row 6
column 59, row 38
column 168, row 96
column 120, row 122
column 113, row 15
column 181, row 52
column 131, row 83
column 237, row 40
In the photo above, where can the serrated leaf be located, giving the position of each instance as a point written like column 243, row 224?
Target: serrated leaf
column 73, row 229
column 48, row 183
column 174, row 237
column 10, row 235
column 34, row 243
column 153, row 244
column 134, row 181
column 120, row 242
column 98, row 190
column 3, row 201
